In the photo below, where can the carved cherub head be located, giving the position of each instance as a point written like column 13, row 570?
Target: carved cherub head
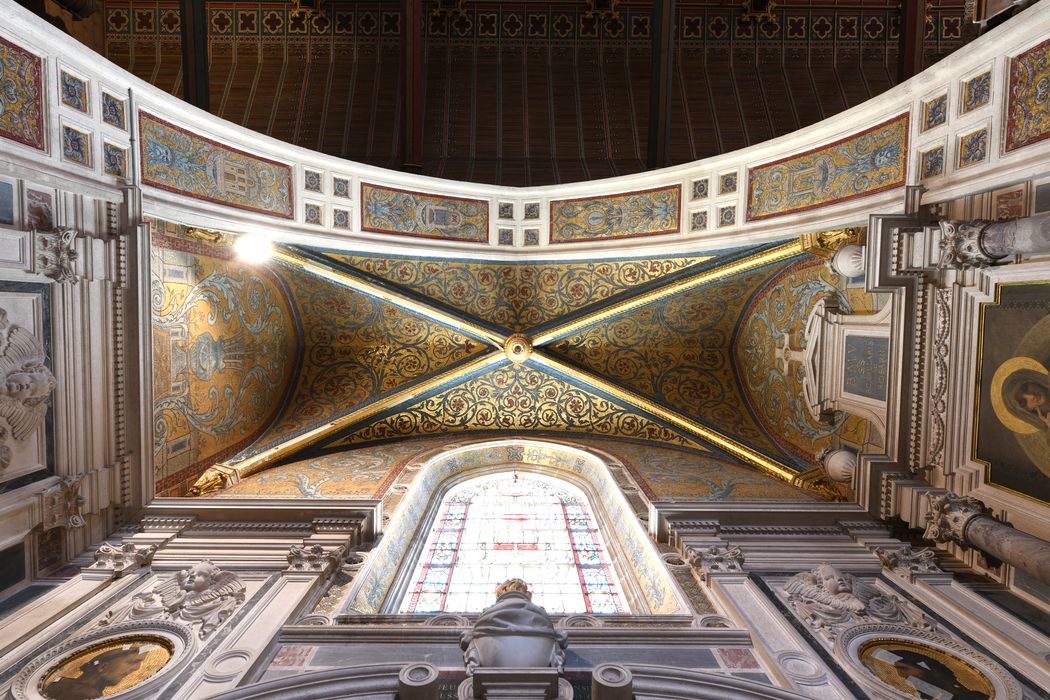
column 829, row 578
column 199, row 577
column 513, row 585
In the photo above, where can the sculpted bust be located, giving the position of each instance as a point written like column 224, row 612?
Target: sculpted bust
column 514, row 632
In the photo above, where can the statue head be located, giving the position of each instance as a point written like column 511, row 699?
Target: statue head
column 829, row 578
column 513, row 585
column 199, row 577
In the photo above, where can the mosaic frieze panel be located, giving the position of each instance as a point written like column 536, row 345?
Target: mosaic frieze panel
column 516, row 398
column 645, row 213
column 517, row 296
column 771, row 328
column 872, row 161
column 178, row 160
column 677, row 351
column 666, row 474
column 225, row 346
column 389, row 210
column 73, row 91
column 22, row 116
column 356, row 348
column 1027, row 117
column 366, row 472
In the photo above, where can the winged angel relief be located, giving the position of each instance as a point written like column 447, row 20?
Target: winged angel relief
column 25, row 385
column 202, row 595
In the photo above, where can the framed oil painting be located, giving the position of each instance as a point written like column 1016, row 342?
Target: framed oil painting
column 1012, row 435
column 920, row 671
column 107, row 668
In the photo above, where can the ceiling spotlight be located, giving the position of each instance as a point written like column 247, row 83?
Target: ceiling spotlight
column 252, row 248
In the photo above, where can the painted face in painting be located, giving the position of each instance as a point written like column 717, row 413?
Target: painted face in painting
column 1032, row 397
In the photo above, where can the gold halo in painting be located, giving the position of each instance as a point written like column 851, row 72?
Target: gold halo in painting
column 107, row 668
column 920, row 671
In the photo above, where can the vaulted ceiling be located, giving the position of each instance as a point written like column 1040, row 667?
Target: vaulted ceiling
column 325, row 350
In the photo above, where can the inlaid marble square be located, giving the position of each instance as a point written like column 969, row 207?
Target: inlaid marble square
column 698, row 221
column 506, row 210
column 700, row 188
column 506, row 236
column 76, row 145
column 114, row 112
column 973, row 148
column 931, row 163
column 727, row 215
column 312, row 181
column 340, row 218
column 727, row 183
column 934, row 112
column 532, row 236
column 73, row 91
column 532, row 210
column 341, row 187
column 312, row 214
column 114, row 160
column 977, row 92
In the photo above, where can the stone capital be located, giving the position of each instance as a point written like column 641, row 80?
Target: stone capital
column 949, row 515
column 961, row 244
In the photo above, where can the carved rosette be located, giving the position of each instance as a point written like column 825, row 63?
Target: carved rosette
column 55, row 254
column 961, row 244
column 716, row 559
column 949, row 515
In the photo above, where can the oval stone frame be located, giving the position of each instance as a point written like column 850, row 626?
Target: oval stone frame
column 25, row 685
column 849, row 644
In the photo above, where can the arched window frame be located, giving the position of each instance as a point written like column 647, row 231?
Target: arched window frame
column 384, row 580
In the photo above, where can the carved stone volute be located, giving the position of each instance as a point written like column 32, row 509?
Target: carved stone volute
column 55, row 254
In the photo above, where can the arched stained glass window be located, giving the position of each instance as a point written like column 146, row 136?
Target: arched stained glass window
column 512, row 525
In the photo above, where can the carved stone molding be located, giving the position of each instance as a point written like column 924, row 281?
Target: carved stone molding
column 949, row 515
column 717, row 559
column 55, row 254
column 62, row 504
column 908, row 560
column 829, row 601
column 25, row 385
column 124, row 558
column 937, row 392
column 314, row 558
column 201, row 596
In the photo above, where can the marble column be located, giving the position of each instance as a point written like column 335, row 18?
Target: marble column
column 967, row 522
column 979, row 243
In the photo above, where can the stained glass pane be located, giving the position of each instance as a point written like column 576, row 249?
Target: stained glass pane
column 508, row 525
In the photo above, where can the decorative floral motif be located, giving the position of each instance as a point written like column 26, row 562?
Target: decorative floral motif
column 727, row 183
column 973, row 148
column 1028, row 98
column 727, row 215
column 644, row 213
column 114, row 111
column 114, row 160
column 22, row 116
column 506, row 210
column 516, row 398
column 76, row 146
column 517, row 296
column 931, row 163
column 340, row 218
column 389, row 210
column 532, row 210
column 934, row 112
column 341, row 187
column 313, row 214
column 506, row 236
column 532, row 236
column 977, row 92
column 698, row 221
column 700, row 188
column 312, row 181
column 872, row 161
column 180, row 161
column 677, row 352
column 73, row 91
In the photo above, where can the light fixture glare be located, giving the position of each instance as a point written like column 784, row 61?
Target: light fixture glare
column 253, row 248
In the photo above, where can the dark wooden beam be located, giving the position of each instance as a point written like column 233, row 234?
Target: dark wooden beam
column 412, row 86
column 913, row 33
column 659, row 152
column 195, row 84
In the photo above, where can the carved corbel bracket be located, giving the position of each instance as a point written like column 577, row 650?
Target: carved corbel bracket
column 314, row 558
column 56, row 254
column 122, row 559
